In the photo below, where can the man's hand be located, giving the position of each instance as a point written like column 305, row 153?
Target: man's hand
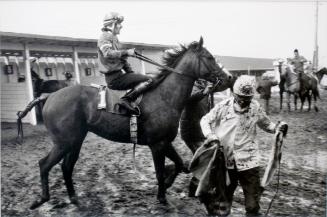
column 283, row 127
column 131, row 52
column 212, row 137
column 207, row 89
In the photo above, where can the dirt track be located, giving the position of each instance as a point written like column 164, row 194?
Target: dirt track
column 107, row 185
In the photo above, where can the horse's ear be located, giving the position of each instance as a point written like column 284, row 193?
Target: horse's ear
column 200, row 45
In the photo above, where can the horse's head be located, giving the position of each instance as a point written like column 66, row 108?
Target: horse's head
column 34, row 75
column 197, row 62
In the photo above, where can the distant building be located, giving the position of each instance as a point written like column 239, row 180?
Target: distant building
column 245, row 65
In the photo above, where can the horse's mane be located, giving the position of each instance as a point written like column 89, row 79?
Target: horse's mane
column 171, row 58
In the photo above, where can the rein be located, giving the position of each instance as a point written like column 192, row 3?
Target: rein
column 279, row 140
column 148, row 60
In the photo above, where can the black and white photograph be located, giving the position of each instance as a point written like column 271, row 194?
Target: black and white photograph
column 163, row 108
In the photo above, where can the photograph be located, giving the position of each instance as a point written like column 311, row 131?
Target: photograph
column 175, row 108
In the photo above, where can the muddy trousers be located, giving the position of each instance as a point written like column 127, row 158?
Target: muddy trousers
column 250, row 183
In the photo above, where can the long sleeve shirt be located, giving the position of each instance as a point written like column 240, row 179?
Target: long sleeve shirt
column 237, row 131
column 110, row 55
column 298, row 63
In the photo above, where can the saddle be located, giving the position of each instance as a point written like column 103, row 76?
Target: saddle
column 112, row 98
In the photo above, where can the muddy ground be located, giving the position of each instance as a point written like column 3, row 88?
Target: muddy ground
column 108, row 186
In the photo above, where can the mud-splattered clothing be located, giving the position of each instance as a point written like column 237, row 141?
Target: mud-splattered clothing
column 237, row 131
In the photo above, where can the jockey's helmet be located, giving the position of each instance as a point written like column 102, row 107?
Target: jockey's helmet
column 111, row 18
column 244, row 85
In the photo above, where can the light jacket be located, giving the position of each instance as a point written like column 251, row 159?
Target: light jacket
column 110, row 55
column 237, row 131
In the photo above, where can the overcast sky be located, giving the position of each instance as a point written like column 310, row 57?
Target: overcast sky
column 264, row 29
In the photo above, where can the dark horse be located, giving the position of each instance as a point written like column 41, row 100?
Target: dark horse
column 71, row 112
column 49, row 86
column 321, row 73
column 197, row 106
column 42, row 89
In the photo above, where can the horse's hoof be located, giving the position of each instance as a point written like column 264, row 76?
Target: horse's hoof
column 316, row 109
column 162, row 200
column 38, row 203
column 74, row 199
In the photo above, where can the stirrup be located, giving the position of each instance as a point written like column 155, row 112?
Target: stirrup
column 132, row 110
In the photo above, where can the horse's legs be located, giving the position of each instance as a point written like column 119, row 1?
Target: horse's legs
column 158, row 154
column 295, row 101
column 267, row 106
column 67, row 169
column 289, row 101
column 55, row 155
column 315, row 94
column 170, row 175
column 281, row 99
column 309, row 100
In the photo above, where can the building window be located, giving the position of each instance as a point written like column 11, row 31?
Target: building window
column 48, row 72
column 88, row 71
column 9, row 69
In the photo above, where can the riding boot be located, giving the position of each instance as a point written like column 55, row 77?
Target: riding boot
column 22, row 114
column 133, row 94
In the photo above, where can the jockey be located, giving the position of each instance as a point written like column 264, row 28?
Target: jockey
column 233, row 122
column 298, row 62
column 113, row 63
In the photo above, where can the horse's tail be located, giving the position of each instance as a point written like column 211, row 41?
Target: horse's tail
column 22, row 114
column 315, row 90
column 316, row 93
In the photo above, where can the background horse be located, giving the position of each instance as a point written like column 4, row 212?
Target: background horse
column 282, row 82
column 320, row 74
column 300, row 85
column 71, row 112
column 42, row 89
column 49, row 86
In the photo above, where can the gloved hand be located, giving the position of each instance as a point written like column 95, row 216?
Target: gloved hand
column 212, row 138
column 207, row 89
column 283, row 127
column 131, row 52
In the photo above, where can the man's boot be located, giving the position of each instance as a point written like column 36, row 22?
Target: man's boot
column 133, row 94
